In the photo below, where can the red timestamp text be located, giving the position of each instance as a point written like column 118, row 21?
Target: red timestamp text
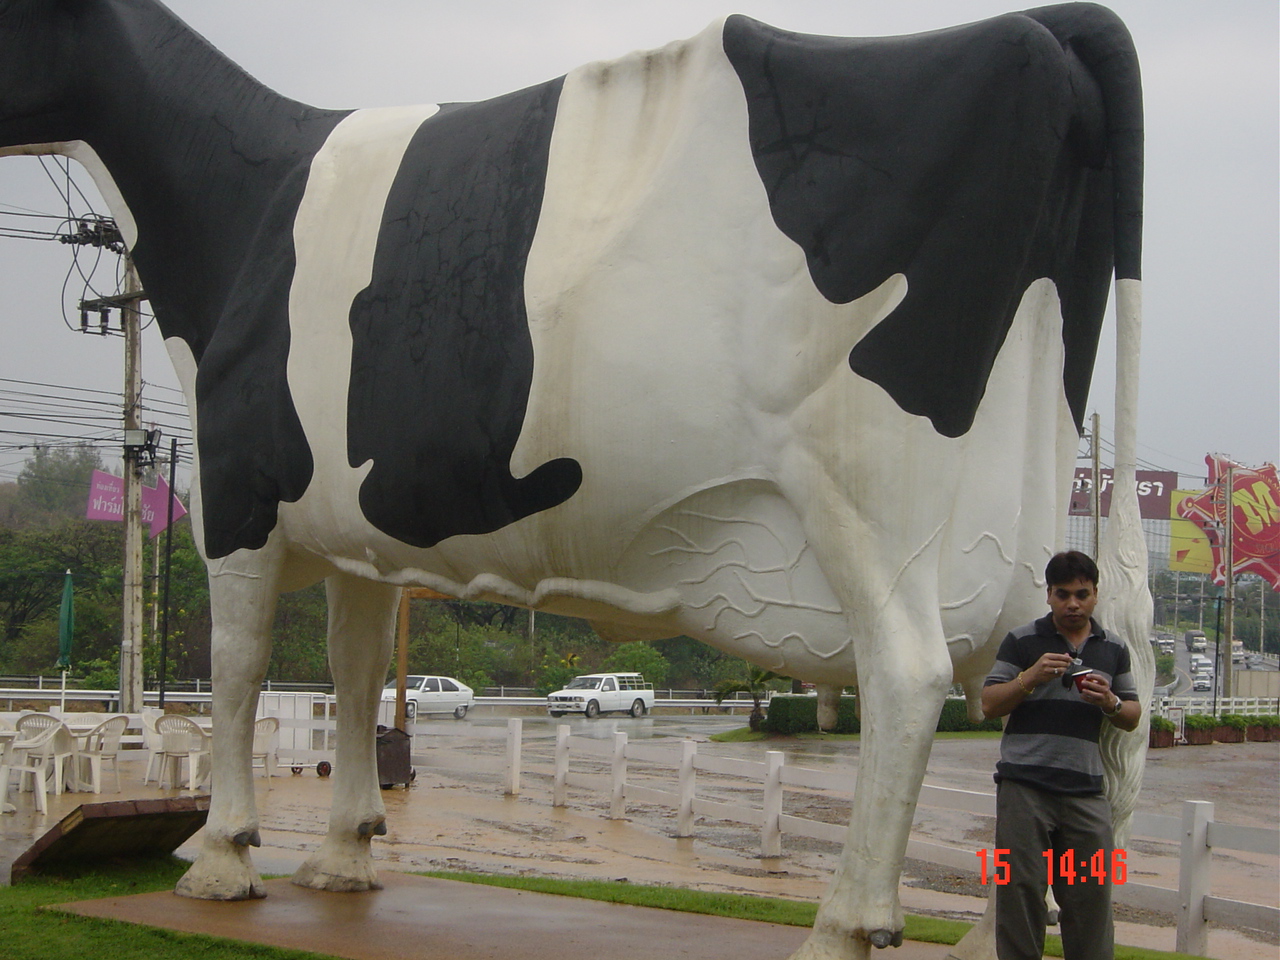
column 1069, row 869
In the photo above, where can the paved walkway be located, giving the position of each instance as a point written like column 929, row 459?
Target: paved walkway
column 427, row 919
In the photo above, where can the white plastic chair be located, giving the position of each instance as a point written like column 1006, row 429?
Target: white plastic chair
column 152, row 743
column 102, row 744
column 266, row 744
column 31, row 724
column 182, row 739
column 19, row 759
column 50, row 757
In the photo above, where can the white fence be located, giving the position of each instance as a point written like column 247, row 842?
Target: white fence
column 1197, row 834
column 1243, row 706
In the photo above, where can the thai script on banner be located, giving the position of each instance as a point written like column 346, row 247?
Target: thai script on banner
column 106, row 502
column 1154, row 490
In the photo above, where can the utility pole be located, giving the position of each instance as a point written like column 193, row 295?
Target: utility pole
column 1229, row 563
column 1096, row 500
column 131, row 635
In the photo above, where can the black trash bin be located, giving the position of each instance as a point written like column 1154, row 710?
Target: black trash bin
column 393, row 757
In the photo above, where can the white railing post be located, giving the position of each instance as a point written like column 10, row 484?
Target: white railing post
column 771, row 831
column 514, row 730
column 617, row 803
column 1193, row 877
column 559, row 783
column 687, row 782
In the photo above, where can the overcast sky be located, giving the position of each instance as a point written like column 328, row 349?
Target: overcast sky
column 1211, row 351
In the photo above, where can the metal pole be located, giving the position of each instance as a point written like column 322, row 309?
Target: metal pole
column 1218, row 637
column 1229, row 565
column 168, row 569
column 1096, row 499
column 402, row 659
column 132, row 611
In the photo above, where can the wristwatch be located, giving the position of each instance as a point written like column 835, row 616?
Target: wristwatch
column 1114, row 710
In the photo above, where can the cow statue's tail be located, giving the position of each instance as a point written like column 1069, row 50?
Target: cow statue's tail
column 1103, row 44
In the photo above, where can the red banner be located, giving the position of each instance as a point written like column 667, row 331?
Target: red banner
column 1154, row 490
column 1255, row 518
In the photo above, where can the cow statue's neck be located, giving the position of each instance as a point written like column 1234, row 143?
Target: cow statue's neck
column 183, row 132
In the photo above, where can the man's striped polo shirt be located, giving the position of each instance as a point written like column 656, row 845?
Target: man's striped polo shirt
column 1051, row 738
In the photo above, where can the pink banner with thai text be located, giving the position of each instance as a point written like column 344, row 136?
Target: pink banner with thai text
column 106, row 502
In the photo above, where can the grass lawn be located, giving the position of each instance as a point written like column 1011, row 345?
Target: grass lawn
column 33, row 932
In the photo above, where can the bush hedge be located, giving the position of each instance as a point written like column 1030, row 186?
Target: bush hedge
column 1234, row 720
column 1163, row 724
column 799, row 714
column 1200, row 721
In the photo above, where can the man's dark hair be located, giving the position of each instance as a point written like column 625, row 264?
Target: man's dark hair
column 1069, row 566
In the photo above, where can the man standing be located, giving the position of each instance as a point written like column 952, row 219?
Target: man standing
column 1049, row 797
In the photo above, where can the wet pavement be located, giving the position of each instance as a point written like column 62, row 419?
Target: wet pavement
column 456, row 817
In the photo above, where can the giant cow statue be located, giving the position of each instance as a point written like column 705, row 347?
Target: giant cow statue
column 778, row 341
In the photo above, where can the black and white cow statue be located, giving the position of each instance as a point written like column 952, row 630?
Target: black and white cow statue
column 777, row 341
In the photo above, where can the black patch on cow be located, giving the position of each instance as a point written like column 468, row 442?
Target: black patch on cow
column 442, row 359
column 972, row 160
column 212, row 165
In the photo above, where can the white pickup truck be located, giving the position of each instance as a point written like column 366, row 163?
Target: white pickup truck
column 597, row 693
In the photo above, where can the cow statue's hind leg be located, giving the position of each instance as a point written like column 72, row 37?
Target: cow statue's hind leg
column 242, row 599
column 361, row 636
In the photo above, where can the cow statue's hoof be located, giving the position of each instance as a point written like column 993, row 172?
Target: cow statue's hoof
column 343, row 866
column 222, row 871
column 885, row 938
column 831, row 944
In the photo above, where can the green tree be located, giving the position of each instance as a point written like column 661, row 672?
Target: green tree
column 299, row 653
column 639, row 657
column 755, row 682
column 32, row 562
column 555, row 673
column 55, row 481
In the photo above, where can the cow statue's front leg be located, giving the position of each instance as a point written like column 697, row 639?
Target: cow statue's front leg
column 361, row 627
column 242, row 597
column 904, row 671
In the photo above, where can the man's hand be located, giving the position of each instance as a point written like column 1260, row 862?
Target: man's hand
column 1096, row 689
column 1051, row 666
column 999, row 699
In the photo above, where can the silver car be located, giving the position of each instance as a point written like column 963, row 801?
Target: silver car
column 427, row 695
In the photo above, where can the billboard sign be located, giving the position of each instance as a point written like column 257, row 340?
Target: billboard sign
column 1155, row 489
column 1255, row 518
column 106, row 502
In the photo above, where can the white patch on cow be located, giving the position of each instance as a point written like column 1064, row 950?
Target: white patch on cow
column 335, row 236
column 184, row 365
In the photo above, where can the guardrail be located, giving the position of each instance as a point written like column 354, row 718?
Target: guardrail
column 202, row 699
column 1197, row 834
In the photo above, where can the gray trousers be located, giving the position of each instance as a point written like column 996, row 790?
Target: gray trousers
column 1029, row 822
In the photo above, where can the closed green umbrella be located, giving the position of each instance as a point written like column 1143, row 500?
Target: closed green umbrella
column 66, row 627
column 66, row 624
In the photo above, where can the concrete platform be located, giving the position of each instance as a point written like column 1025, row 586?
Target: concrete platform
column 428, row 919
